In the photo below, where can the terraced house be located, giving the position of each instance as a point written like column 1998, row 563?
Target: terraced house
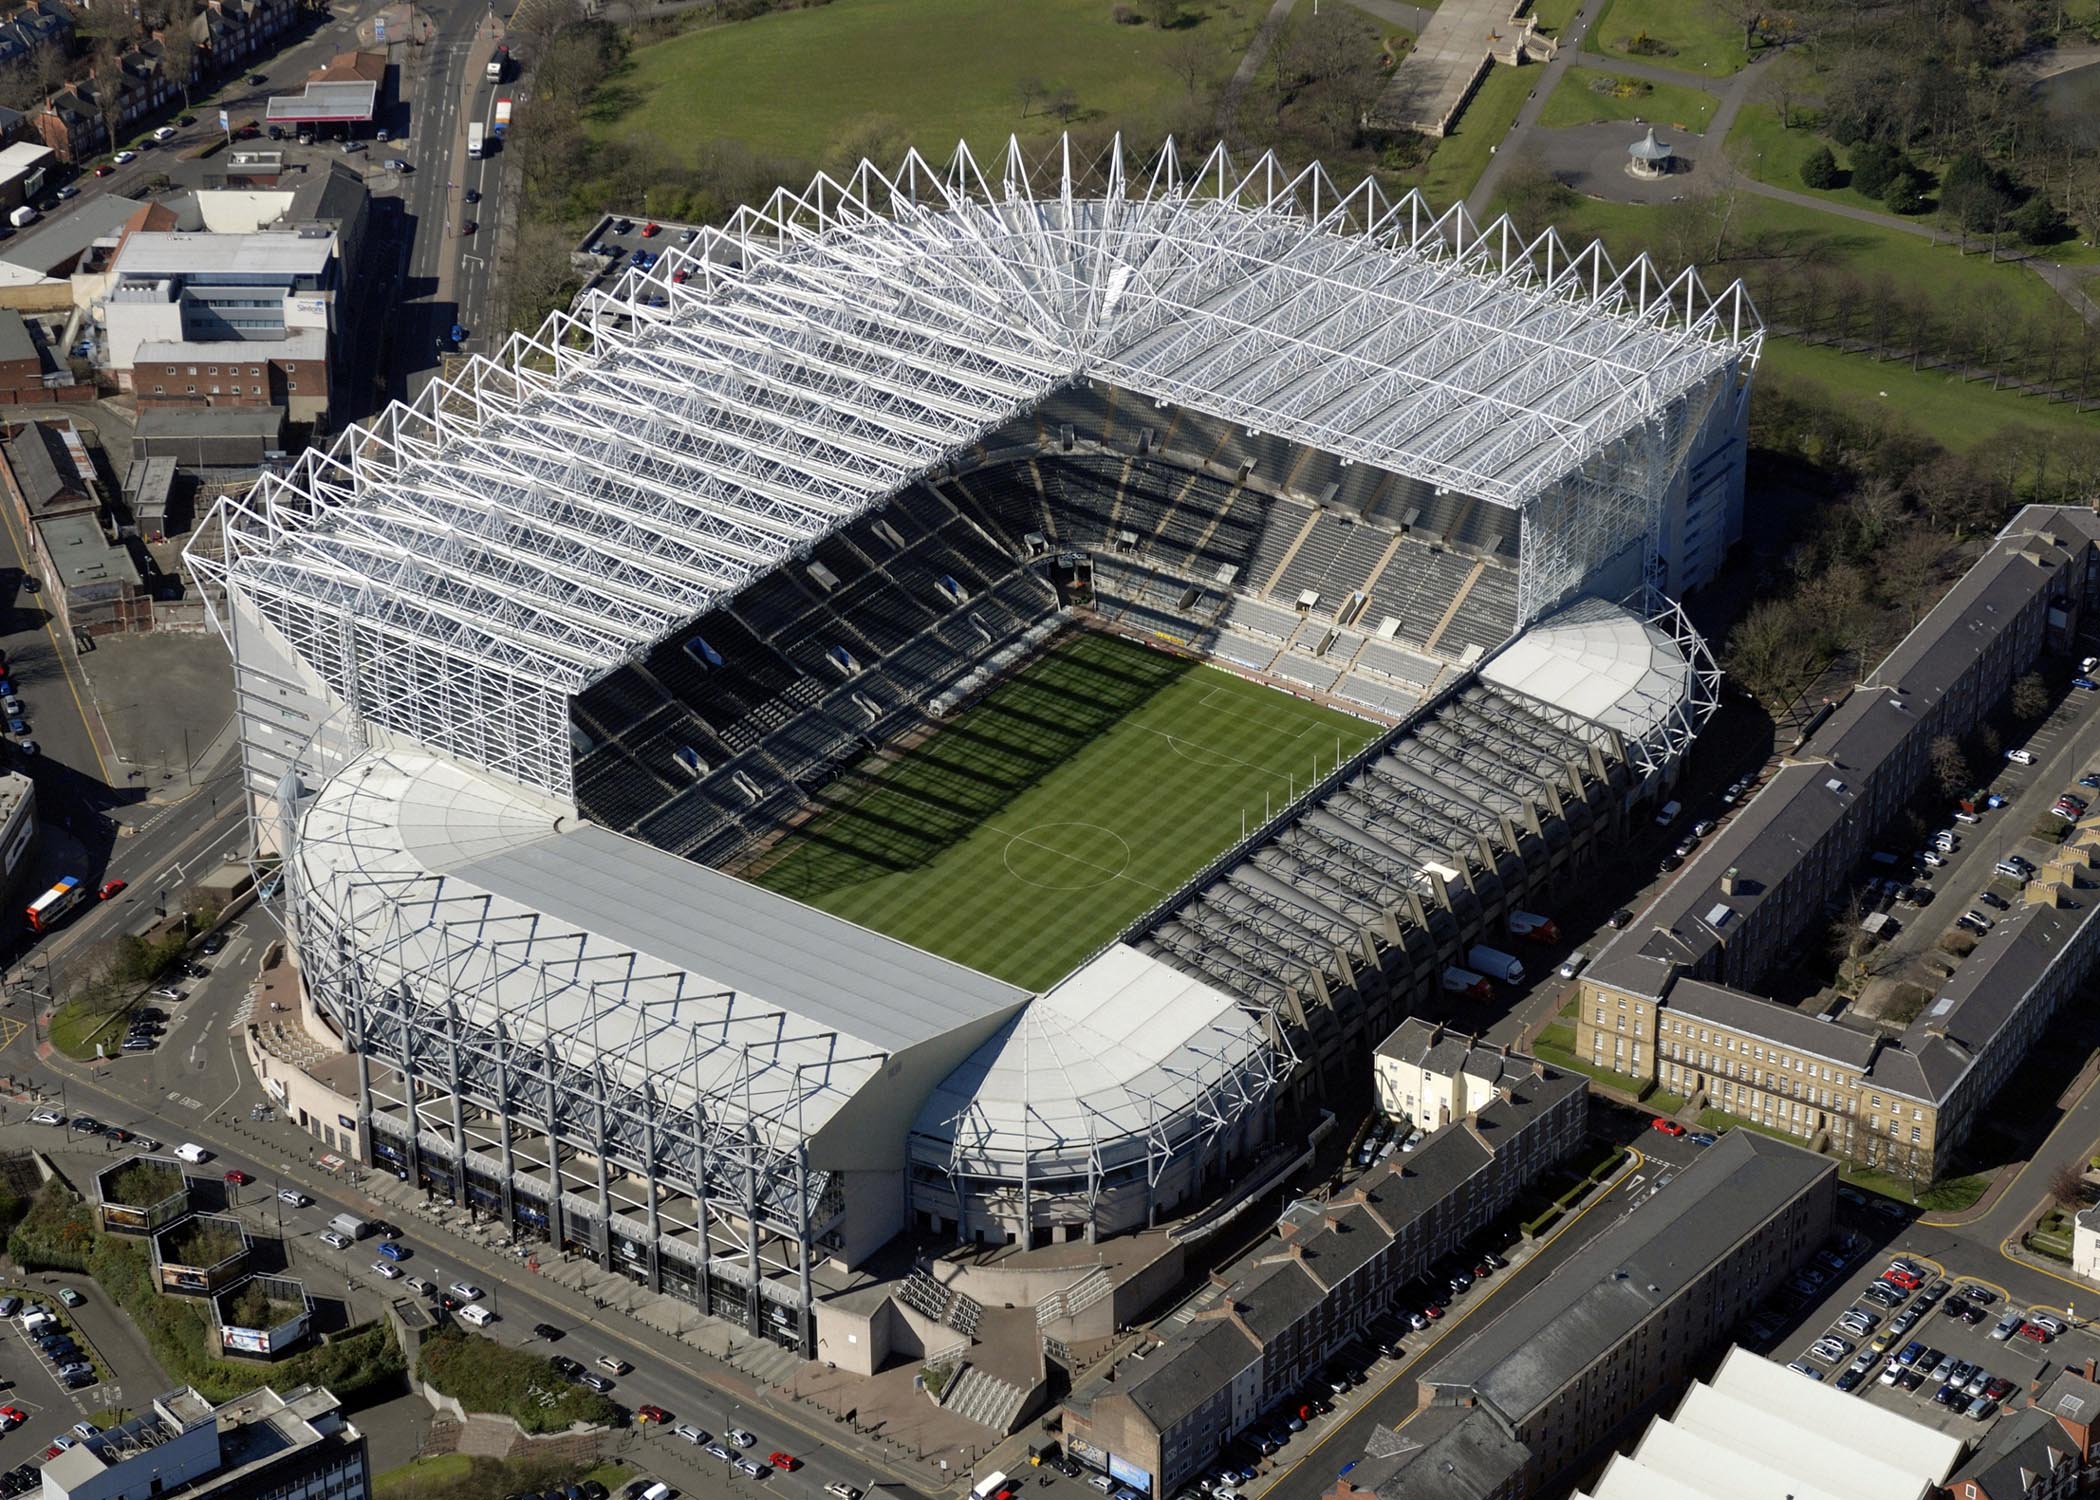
column 1671, row 997
column 1284, row 1311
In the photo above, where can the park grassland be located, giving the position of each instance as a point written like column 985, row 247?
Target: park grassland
column 796, row 83
column 1585, row 96
column 1961, row 416
column 1698, row 38
column 1071, row 799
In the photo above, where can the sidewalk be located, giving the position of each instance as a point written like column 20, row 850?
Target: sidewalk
column 723, row 1356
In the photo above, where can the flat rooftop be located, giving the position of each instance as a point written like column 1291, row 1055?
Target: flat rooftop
column 227, row 257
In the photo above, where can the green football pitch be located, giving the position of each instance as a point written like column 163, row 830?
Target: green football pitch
column 1026, row 832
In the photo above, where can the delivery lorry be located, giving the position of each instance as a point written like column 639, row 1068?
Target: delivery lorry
column 1494, row 963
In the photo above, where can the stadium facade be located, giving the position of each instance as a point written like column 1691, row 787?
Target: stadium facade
column 523, row 666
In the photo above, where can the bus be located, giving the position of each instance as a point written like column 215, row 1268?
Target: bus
column 47, row 909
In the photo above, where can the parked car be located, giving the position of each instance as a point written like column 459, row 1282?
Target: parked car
column 1667, row 1127
column 334, row 1241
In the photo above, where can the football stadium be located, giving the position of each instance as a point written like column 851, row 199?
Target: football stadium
column 954, row 706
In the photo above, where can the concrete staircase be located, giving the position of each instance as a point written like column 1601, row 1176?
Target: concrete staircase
column 984, row 1399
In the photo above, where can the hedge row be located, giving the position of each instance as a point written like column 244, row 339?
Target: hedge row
column 483, row 1375
column 55, row 1233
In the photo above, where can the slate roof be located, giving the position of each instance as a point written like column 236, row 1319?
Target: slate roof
column 1608, row 1287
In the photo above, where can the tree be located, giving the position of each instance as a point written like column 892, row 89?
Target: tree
column 1874, row 167
column 1029, row 88
column 180, row 46
column 2030, row 697
column 2036, row 221
column 1748, row 14
column 1064, row 103
column 1535, row 196
column 2067, row 1186
column 1950, row 768
column 1189, row 60
column 1772, row 652
column 1166, row 14
column 1779, row 85
column 1906, row 194
column 1819, row 169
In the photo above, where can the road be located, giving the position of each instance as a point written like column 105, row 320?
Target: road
column 196, row 1087
column 1308, row 1475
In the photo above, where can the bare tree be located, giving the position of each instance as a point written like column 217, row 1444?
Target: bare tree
column 1189, row 60
column 1064, row 103
column 2067, row 1186
column 2030, row 697
column 180, row 44
column 1950, row 768
column 1780, row 86
column 1029, row 89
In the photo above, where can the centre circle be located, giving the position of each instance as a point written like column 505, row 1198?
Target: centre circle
column 1050, row 857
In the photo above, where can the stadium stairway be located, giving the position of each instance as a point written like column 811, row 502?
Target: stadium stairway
column 984, row 1399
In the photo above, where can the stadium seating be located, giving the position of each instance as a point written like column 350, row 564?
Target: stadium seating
column 739, row 718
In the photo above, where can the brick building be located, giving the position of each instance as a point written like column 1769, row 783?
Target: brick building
column 1289, row 1307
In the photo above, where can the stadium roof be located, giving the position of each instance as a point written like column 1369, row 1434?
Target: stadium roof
column 654, row 965
column 545, row 514
column 1125, row 1044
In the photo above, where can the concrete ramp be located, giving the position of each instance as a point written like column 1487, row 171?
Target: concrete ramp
column 1463, row 39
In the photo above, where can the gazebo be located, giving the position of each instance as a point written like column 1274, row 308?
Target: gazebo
column 1649, row 157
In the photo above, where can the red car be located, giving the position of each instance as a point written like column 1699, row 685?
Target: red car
column 2034, row 1331
column 650, row 231
column 652, row 1414
column 104, row 170
column 13, row 1416
column 109, row 889
column 786, row 1462
column 1897, row 1276
column 1667, row 1127
column 239, row 1178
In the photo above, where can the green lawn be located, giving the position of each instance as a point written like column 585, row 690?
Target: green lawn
column 1585, row 95
column 1960, row 416
column 1788, row 232
column 1768, row 151
column 796, row 83
column 1079, row 793
column 1460, row 157
column 1698, row 37
column 1554, row 16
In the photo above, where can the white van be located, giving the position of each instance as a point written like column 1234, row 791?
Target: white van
column 192, row 1153
column 474, row 1315
column 656, row 1491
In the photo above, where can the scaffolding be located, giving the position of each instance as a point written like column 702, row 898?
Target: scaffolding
column 457, row 569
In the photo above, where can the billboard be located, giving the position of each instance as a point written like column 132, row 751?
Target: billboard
column 1125, row 1472
column 246, row 1340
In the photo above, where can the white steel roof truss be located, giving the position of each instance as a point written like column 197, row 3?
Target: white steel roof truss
column 825, row 404
column 667, row 435
column 694, row 571
column 612, row 610
column 867, row 363
column 776, row 512
column 505, row 643
column 551, row 477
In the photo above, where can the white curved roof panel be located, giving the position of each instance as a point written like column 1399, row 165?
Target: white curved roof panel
column 1124, row 1047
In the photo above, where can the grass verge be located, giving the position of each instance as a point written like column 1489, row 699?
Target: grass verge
column 1587, row 95
column 1460, row 157
column 1556, row 1044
